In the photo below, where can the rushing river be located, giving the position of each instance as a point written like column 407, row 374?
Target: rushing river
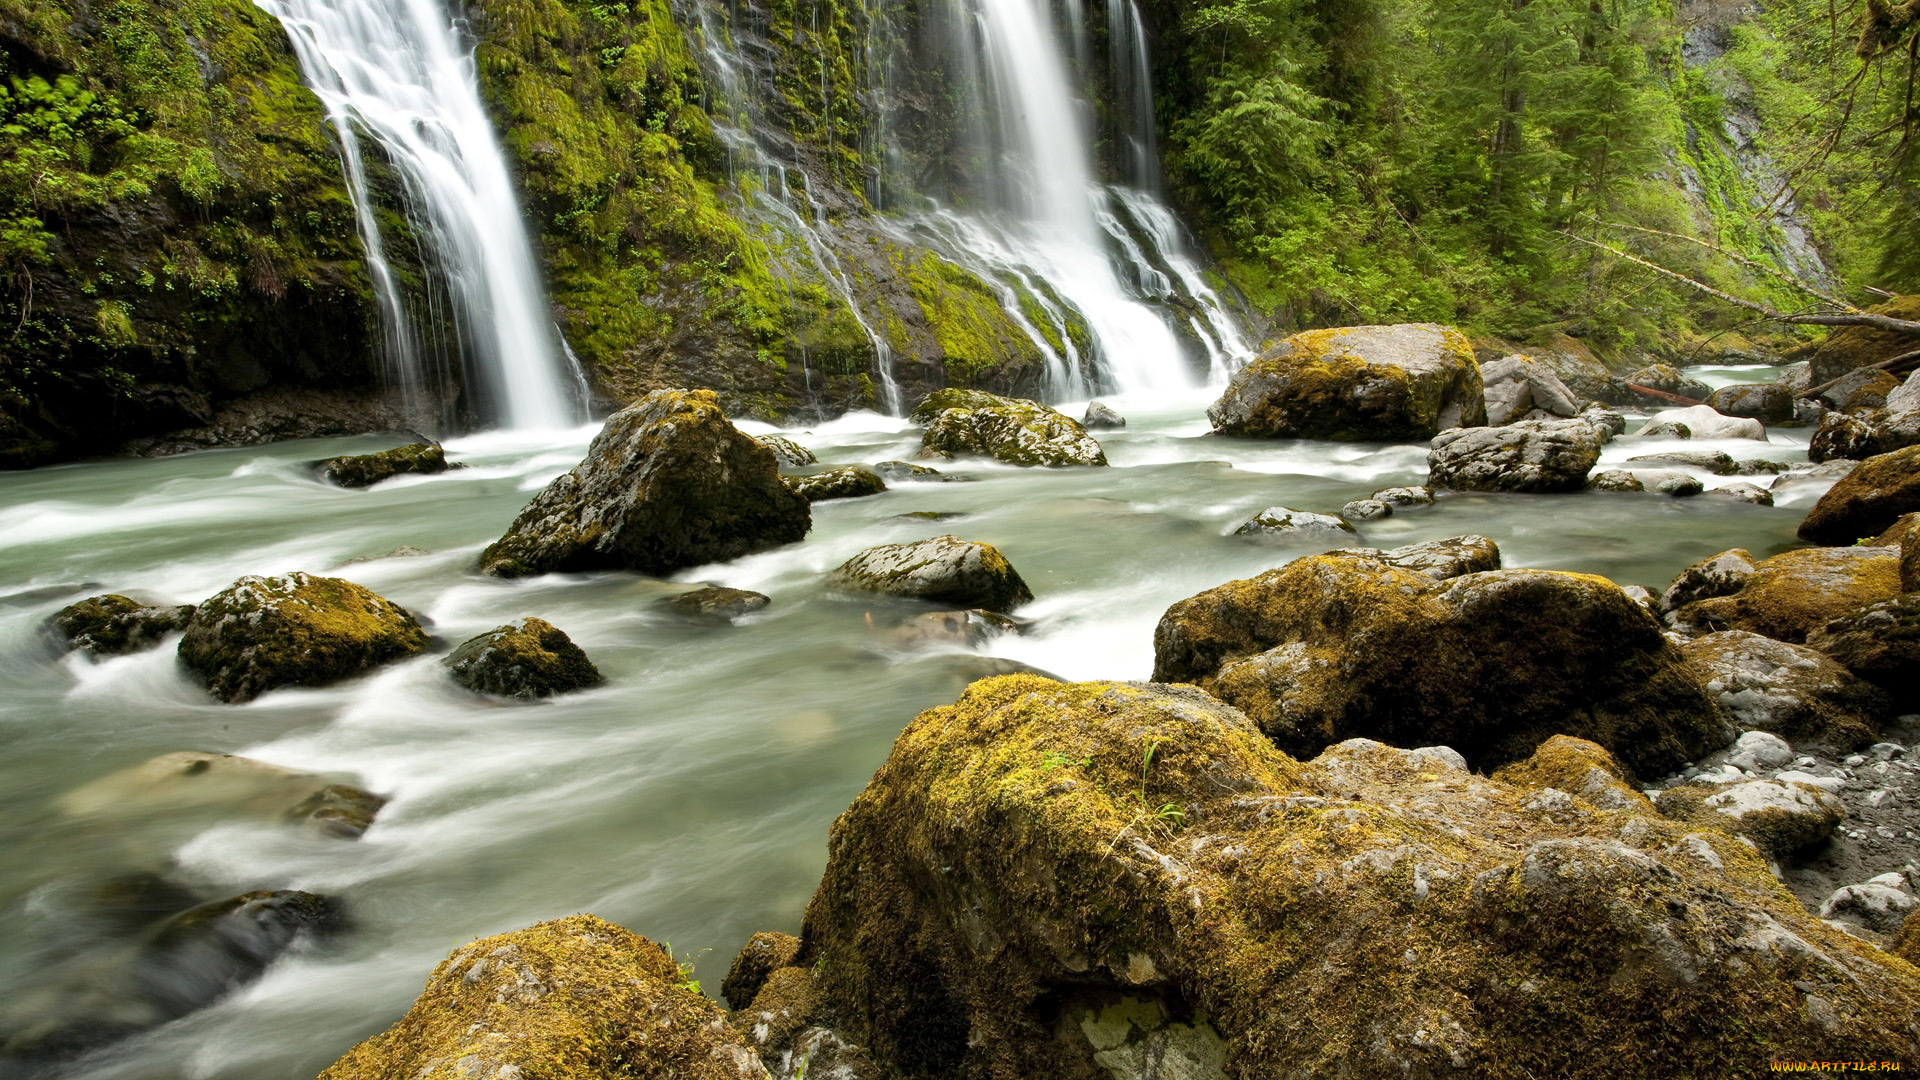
column 689, row 798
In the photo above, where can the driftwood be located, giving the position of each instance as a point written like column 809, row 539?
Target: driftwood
column 1678, row 399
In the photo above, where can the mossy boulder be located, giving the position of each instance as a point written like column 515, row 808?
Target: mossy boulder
column 1879, row 642
column 1014, row 430
column 172, row 968
column 1797, row 592
column 1437, row 559
column 763, row 954
column 188, row 781
column 1843, row 437
column 529, row 658
column 667, row 484
column 296, row 629
column 1528, row 456
column 1769, row 403
column 1054, row 879
column 1781, row 817
column 113, row 625
column 1492, row 664
column 852, row 482
column 1906, row 944
column 1580, row 768
column 366, row 470
column 717, row 602
column 1792, row 691
column 1394, row 383
column 1906, row 536
column 1867, row 500
column 573, row 999
column 786, row 450
column 1861, row 390
column 945, row 569
column 1714, row 576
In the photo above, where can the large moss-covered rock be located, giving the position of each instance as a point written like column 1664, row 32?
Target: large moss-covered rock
column 1014, row 430
column 1437, row 559
column 574, row 999
column 172, row 968
column 1781, row 817
column 1580, row 768
column 1492, row 664
column 190, row 782
column 946, row 569
column 1796, row 592
column 1867, row 500
column 111, row 624
column 295, row 629
column 1083, row 880
column 1386, row 383
column 1790, row 690
column 851, row 482
column 366, row 470
column 668, row 483
column 1879, row 642
column 527, row 659
column 1528, row 456
column 763, row 954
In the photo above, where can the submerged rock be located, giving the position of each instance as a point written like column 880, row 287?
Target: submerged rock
column 1056, row 879
column 1437, row 559
column 181, row 964
column 1287, row 522
column 1331, row 647
column 969, row 628
column 1014, row 430
column 1788, row 690
column 786, row 450
column 1769, row 403
column 574, row 999
column 1529, row 456
column 366, row 470
column 716, row 601
column 1718, row 462
column 1101, row 417
column 851, row 482
column 1867, row 500
column 896, row 471
column 1356, row 383
column 296, row 629
column 945, row 569
column 667, row 484
column 194, row 780
column 527, row 659
column 113, row 625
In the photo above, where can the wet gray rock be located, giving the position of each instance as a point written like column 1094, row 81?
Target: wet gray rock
column 113, row 625
column 715, row 601
column 1405, row 496
column 1101, row 417
column 894, row 472
column 1615, row 480
column 1791, row 691
column 1760, row 467
column 525, row 659
column 1528, row 456
column 1355, row 383
column 1287, row 522
column 1013, row 430
column 1518, row 387
column 1746, row 493
column 944, row 569
column 1880, row 905
column 852, row 482
column 1366, row 510
column 1769, row 403
column 194, row 783
column 366, row 470
column 1660, row 481
column 1702, row 422
column 1861, row 389
column 1605, row 422
column 1717, row 462
column 1437, row 559
column 786, row 451
column 667, row 484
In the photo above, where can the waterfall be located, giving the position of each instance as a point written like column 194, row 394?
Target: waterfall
column 397, row 73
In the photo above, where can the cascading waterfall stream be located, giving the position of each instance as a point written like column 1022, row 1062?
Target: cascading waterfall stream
column 396, row 72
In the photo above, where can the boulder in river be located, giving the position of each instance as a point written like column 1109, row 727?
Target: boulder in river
column 1405, row 496
column 1703, row 422
column 112, row 625
column 297, row 629
column 1614, row 480
column 1521, row 388
column 573, row 999
column 966, row 629
column 1859, row 391
column 1769, row 403
column 529, row 658
column 667, row 484
column 1437, row 559
column 1101, row 417
column 944, row 569
column 851, row 482
column 1879, row 642
column 1094, row 879
column 1856, row 437
column 1528, row 456
column 1672, row 482
column 366, row 470
column 894, row 472
column 188, row 781
column 1753, row 494
column 786, row 450
column 1366, row 510
column 716, row 601
column 1014, row 430
column 1792, row 691
column 1717, row 462
column 1356, row 383
column 1288, row 523
column 1332, row 647
column 1866, row 501
column 178, row 965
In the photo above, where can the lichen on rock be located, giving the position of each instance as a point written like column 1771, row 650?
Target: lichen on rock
column 851, row 482
column 366, row 470
column 1790, row 690
column 112, row 625
column 1356, row 383
column 1014, row 430
column 529, row 658
column 295, row 629
column 1867, row 500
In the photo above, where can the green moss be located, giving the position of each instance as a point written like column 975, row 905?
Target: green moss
column 293, row 630
column 967, row 321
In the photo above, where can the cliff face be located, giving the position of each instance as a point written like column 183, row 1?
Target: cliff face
column 173, row 227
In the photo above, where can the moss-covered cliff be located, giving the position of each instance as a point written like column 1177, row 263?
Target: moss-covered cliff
column 173, row 225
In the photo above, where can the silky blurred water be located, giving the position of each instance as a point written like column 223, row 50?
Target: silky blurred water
column 689, row 798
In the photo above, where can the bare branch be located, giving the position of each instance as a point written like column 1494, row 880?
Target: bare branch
column 1756, row 264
